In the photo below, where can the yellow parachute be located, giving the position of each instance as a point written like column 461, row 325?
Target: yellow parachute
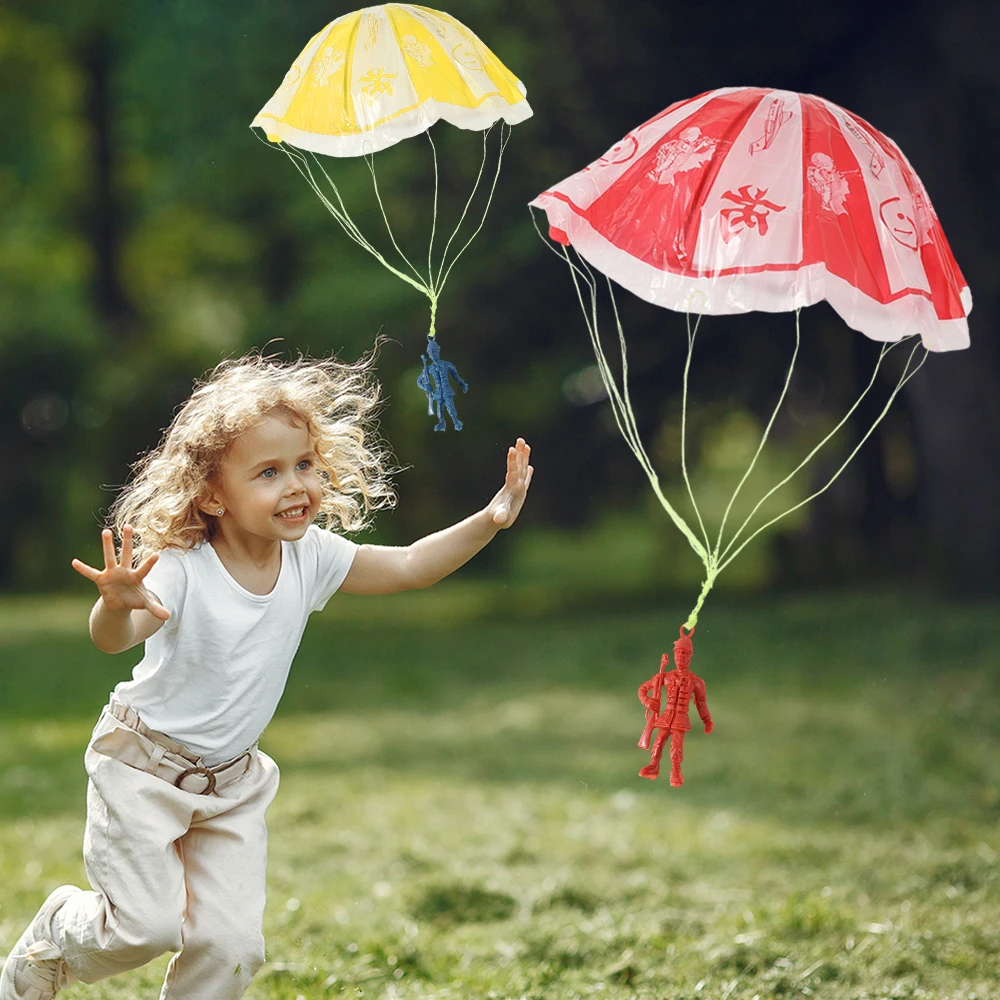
column 379, row 75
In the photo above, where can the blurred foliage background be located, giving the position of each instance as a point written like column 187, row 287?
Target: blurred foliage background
column 145, row 234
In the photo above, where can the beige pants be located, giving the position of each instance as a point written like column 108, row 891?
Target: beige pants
column 174, row 866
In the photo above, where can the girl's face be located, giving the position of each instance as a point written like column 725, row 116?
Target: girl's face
column 268, row 483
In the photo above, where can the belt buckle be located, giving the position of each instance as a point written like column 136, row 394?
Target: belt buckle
column 205, row 771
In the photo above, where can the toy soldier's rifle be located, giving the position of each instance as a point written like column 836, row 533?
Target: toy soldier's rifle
column 652, row 713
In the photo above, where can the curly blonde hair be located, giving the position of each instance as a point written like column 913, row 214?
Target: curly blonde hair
column 336, row 402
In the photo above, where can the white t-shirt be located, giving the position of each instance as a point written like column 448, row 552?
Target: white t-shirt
column 212, row 676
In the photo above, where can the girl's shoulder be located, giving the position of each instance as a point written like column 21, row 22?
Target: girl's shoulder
column 324, row 559
column 169, row 580
column 171, row 555
column 322, row 544
column 320, row 547
column 181, row 566
column 317, row 537
column 176, row 556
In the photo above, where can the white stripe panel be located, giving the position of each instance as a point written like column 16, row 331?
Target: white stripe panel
column 585, row 187
column 461, row 49
column 376, row 51
column 282, row 98
column 728, row 240
column 885, row 181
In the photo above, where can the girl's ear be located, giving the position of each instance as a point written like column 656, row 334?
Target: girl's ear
column 209, row 504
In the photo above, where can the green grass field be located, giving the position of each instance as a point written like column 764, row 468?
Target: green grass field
column 460, row 814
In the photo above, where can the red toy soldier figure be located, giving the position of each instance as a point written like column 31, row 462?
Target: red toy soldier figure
column 673, row 722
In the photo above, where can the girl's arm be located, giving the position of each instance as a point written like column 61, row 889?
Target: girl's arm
column 116, row 631
column 126, row 613
column 382, row 569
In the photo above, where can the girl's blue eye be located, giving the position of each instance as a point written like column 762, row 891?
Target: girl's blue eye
column 305, row 464
column 269, row 473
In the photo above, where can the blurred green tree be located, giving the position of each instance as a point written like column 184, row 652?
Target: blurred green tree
column 145, row 234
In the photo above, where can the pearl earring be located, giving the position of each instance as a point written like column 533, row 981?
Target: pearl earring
column 220, row 512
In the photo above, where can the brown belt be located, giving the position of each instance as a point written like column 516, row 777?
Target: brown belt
column 172, row 761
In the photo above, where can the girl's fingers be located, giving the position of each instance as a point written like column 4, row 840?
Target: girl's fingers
column 516, row 482
column 511, row 467
column 126, row 556
column 157, row 610
column 108, row 544
column 84, row 570
column 147, row 564
column 522, row 452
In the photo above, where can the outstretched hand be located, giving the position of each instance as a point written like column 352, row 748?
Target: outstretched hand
column 506, row 505
column 120, row 585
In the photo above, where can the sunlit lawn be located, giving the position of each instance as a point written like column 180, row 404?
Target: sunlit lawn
column 460, row 814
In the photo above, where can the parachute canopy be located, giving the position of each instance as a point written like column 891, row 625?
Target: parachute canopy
column 746, row 199
column 385, row 73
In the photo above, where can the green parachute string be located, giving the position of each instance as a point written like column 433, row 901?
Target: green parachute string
column 691, row 333
column 907, row 373
column 715, row 558
column 313, row 170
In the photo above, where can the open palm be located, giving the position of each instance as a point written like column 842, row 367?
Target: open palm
column 507, row 504
column 120, row 584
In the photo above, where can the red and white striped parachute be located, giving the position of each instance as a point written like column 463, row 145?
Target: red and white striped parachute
column 746, row 198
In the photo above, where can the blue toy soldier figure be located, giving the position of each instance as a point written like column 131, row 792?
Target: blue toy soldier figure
column 440, row 395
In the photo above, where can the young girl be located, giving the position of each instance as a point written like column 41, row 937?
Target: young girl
column 221, row 564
